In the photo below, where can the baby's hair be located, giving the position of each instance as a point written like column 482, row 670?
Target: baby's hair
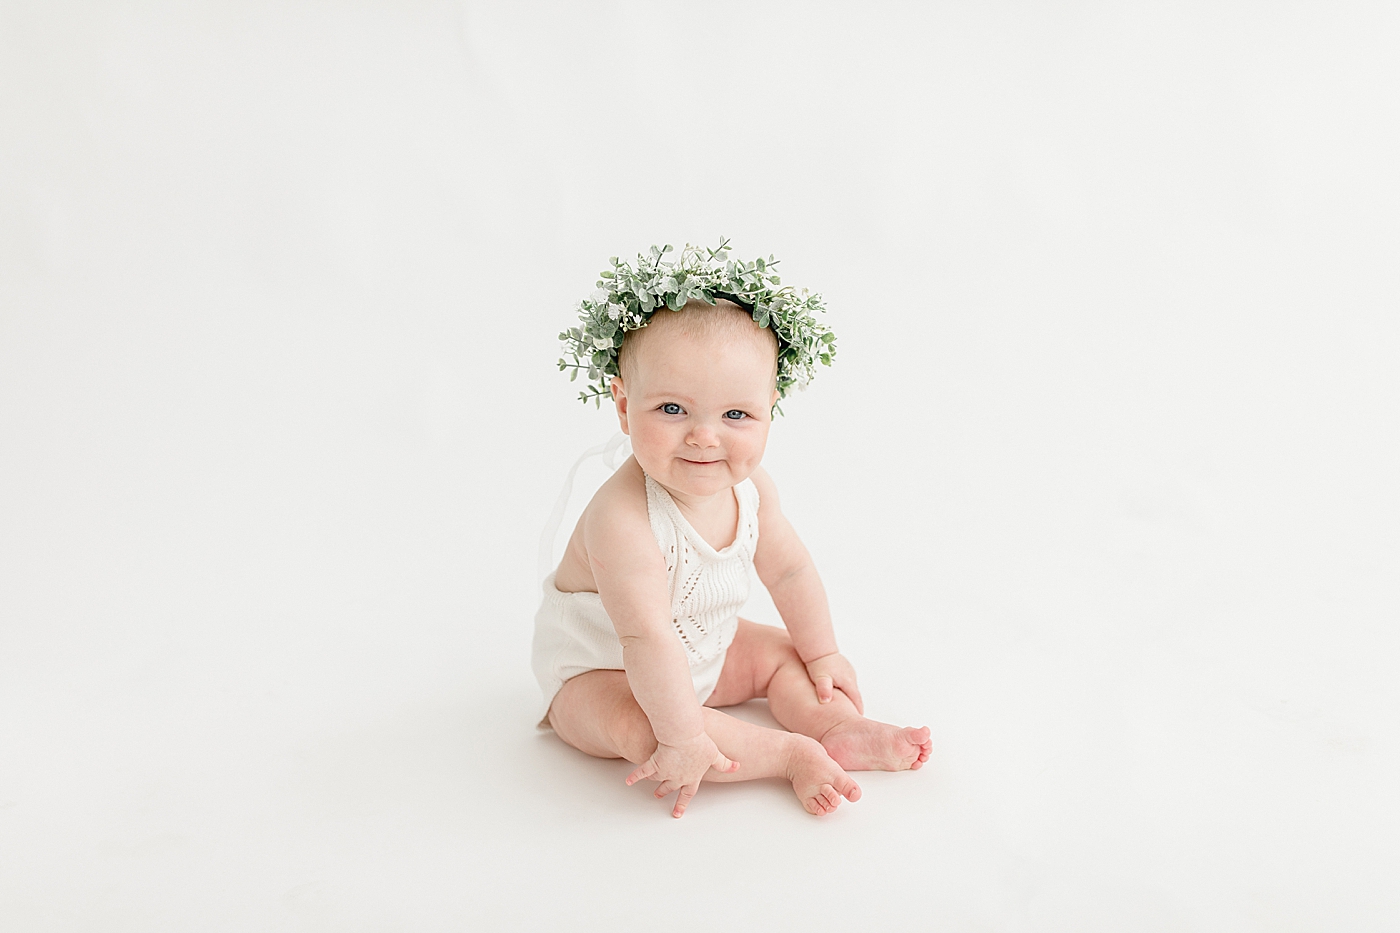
column 697, row 318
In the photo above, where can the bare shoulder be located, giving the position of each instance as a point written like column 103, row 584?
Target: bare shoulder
column 613, row 524
column 767, row 492
column 623, row 495
column 779, row 549
column 617, row 517
column 626, row 564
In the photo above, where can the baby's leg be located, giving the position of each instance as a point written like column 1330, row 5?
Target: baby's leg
column 596, row 713
column 762, row 662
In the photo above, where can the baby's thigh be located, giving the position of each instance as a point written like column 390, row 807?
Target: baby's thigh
column 750, row 663
column 597, row 714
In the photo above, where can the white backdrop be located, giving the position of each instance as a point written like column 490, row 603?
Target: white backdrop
column 1103, row 484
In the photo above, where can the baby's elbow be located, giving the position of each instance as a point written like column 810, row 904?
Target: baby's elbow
column 634, row 639
column 790, row 574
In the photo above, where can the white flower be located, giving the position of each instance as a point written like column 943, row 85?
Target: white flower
column 602, row 343
column 600, row 297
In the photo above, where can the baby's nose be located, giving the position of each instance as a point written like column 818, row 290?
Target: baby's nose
column 703, row 435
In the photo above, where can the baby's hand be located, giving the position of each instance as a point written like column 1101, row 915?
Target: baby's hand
column 680, row 767
column 833, row 670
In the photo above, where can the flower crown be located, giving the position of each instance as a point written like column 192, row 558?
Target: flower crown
column 627, row 297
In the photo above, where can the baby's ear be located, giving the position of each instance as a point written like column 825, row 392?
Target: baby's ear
column 619, row 394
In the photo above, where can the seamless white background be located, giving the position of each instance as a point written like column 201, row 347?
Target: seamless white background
column 1103, row 484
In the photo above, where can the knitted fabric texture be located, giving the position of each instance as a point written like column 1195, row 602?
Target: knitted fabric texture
column 708, row 587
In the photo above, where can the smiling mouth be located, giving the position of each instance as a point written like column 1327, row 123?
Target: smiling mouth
column 700, row 462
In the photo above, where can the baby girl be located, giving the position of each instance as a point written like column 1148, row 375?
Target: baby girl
column 638, row 640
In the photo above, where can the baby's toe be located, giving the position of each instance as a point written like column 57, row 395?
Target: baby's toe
column 921, row 744
column 848, row 788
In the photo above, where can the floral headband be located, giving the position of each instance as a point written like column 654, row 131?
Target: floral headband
column 628, row 296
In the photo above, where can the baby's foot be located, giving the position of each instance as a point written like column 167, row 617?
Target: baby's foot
column 818, row 781
column 867, row 745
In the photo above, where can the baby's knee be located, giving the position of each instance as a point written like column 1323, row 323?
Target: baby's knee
column 630, row 729
column 596, row 713
column 777, row 652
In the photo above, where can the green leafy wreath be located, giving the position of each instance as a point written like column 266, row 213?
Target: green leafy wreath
column 627, row 296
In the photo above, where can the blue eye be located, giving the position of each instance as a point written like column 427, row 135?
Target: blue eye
column 671, row 408
column 735, row 414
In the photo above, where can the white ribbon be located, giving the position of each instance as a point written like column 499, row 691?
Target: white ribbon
column 614, row 452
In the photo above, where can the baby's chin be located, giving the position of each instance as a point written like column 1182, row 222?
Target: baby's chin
column 696, row 479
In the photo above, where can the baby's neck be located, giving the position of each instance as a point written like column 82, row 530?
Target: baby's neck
column 715, row 517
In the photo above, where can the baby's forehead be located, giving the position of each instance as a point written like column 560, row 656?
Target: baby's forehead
column 726, row 334
column 716, row 324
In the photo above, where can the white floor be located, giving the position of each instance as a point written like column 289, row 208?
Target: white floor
column 1103, row 484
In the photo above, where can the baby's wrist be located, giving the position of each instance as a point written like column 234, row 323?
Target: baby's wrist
column 821, row 657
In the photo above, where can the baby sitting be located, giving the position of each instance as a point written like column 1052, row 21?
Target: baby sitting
column 638, row 638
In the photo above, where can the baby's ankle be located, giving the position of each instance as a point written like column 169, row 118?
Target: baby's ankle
column 800, row 751
column 836, row 727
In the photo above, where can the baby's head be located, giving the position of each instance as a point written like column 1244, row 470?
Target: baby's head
column 695, row 393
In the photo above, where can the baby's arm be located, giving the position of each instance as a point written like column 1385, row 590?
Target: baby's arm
column 786, row 569
column 631, row 577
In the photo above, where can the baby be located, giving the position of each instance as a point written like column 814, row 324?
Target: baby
column 638, row 639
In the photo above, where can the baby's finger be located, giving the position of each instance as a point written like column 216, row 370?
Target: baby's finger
column 683, row 799
column 823, row 684
column 665, row 789
column 724, row 765
column 853, row 692
column 644, row 770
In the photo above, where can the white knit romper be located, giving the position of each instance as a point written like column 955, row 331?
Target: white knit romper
column 573, row 634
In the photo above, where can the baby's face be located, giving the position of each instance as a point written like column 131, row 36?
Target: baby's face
column 698, row 406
